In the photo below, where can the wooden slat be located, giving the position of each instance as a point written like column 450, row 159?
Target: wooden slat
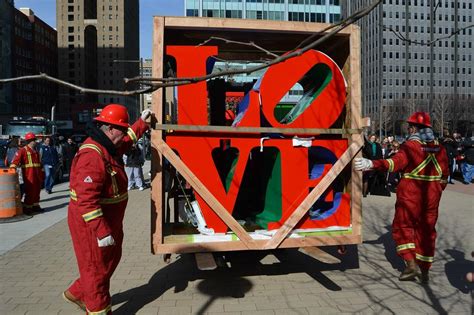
column 236, row 245
column 199, row 187
column 248, row 24
column 156, row 162
column 303, row 208
column 255, row 130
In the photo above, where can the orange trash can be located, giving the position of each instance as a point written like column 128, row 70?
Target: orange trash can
column 10, row 198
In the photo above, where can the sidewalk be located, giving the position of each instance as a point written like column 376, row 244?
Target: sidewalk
column 34, row 273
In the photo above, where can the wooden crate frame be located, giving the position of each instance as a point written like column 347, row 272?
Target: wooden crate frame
column 351, row 69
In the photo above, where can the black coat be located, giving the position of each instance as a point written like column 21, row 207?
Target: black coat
column 368, row 152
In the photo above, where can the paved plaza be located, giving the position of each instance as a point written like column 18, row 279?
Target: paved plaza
column 37, row 264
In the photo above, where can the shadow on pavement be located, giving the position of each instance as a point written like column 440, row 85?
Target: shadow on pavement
column 55, row 198
column 457, row 269
column 230, row 282
column 389, row 249
column 56, row 207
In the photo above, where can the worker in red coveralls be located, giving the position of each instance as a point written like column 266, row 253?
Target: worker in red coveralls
column 424, row 166
column 33, row 175
column 98, row 185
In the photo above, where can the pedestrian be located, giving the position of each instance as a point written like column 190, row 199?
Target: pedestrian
column 32, row 172
column 70, row 149
column 372, row 151
column 98, row 188
column 467, row 165
column 133, row 167
column 451, row 150
column 424, row 164
column 393, row 177
column 49, row 159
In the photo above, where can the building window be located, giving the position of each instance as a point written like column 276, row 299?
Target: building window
column 70, row 18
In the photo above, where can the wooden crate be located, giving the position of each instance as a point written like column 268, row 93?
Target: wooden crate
column 343, row 48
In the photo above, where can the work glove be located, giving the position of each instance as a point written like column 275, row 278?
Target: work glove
column 363, row 164
column 106, row 241
column 146, row 113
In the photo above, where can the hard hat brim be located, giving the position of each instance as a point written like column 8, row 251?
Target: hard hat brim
column 123, row 125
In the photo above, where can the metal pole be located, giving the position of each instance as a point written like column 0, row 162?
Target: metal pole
column 432, row 19
column 380, row 53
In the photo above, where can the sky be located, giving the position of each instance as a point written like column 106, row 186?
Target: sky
column 46, row 10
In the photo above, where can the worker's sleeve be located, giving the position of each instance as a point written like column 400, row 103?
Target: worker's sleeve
column 395, row 163
column 89, row 178
column 444, row 164
column 134, row 133
column 18, row 159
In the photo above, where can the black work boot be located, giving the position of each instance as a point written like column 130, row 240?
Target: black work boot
column 425, row 276
column 411, row 271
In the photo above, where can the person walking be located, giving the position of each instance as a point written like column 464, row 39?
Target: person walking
column 372, row 150
column 133, row 167
column 49, row 159
column 451, row 150
column 32, row 172
column 98, row 188
column 467, row 166
column 424, row 165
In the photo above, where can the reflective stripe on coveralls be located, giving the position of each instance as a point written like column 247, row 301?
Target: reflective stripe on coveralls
column 30, row 161
column 132, row 135
column 92, row 215
column 415, row 173
column 424, row 258
column 405, row 246
column 105, row 201
column 391, row 165
column 102, row 312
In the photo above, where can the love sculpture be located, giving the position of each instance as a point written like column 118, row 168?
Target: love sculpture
column 275, row 170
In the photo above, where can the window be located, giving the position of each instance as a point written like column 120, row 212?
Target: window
column 70, row 18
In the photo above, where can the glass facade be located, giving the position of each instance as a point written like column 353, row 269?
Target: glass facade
column 324, row 11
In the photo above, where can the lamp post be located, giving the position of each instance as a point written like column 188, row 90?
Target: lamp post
column 140, row 67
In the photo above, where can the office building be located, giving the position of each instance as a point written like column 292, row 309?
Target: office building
column 27, row 46
column 98, row 47
column 400, row 75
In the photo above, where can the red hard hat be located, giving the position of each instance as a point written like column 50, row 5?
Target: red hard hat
column 30, row 136
column 114, row 114
column 420, row 118
column 229, row 115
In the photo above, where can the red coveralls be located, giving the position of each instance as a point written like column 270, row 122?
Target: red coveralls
column 424, row 168
column 33, row 175
column 98, row 200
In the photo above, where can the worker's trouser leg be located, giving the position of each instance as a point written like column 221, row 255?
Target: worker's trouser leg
column 96, row 266
column 32, row 194
column 403, row 230
column 425, row 237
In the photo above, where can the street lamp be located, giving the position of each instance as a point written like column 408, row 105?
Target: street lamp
column 140, row 65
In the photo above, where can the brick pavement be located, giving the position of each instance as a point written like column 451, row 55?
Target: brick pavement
column 34, row 274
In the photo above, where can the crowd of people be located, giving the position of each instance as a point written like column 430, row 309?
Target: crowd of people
column 460, row 152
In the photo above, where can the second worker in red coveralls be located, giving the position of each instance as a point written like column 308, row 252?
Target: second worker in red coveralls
column 424, row 166
column 99, row 197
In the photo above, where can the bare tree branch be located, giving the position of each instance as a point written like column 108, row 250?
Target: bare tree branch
column 166, row 82
column 228, row 41
column 403, row 38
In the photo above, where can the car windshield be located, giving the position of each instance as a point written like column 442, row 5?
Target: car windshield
column 21, row 130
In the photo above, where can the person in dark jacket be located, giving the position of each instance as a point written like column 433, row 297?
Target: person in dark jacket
column 373, row 151
column 467, row 165
column 451, row 147
column 49, row 159
column 70, row 150
column 133, row 160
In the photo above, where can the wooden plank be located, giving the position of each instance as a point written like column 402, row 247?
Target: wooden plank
column 199, row 187
column 237, row 246
column 205, row 261
column 255, row 130
column 356, row 122
column 303, row 208
column 320, row 255
column 248, row 24
column 156, row 162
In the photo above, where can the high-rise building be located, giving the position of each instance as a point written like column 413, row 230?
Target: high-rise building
column 27, row 46
column 402, row 71
column 327, row 11
column 98, row 44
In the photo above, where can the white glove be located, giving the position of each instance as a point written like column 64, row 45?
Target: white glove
column 363, row 164
column 146, row 113
column 106, row 241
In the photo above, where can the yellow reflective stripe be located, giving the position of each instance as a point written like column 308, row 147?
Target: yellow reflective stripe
column 91, row 146
column 391, row 165
column 405, row 246
column 92, row 215
column 30, row 161
column 132, row 135
column 102, row 312
column 414, row 174
column 424, row 258
column 119, row 198
column 73, row 194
